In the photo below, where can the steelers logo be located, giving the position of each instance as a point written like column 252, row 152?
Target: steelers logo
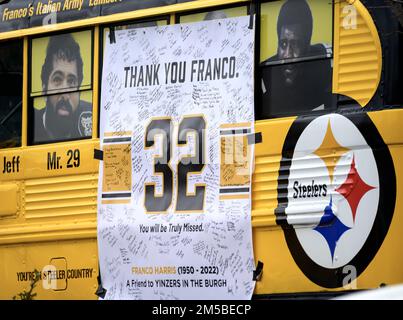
column 337, row 191
column 85, row 123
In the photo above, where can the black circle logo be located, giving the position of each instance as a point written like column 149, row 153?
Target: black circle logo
column 336, row 195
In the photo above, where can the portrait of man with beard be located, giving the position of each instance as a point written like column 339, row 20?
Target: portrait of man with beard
column 65, row 116
column 299, row 77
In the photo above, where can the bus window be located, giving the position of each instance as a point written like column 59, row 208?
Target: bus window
column 295, row 61
column 214, row 14
column 61, row 83
column 10, row 93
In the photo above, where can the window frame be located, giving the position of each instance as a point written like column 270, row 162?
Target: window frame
column 31, row 99
column 260, row 66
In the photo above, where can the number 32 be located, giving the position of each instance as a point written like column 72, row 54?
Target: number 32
column 189, row 164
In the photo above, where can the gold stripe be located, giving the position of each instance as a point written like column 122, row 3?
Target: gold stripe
column 236, row 125
column 234, row 196
column 117, row 134
column 115, row 201
column 172, row 18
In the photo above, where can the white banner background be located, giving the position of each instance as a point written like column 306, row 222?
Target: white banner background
column 132, row 260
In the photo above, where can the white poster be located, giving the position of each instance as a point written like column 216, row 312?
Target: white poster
column 174, row 206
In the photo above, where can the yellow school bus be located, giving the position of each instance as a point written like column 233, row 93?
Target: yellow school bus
column 326, row 215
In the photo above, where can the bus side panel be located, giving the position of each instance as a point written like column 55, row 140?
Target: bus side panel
column 68, row 269
column 282, row 271
column 54, row 228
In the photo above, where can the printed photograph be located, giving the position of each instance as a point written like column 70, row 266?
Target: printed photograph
column 60, row 81
column 296, row 56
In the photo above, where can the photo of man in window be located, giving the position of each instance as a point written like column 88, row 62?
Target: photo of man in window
column 298, row 77
column 65, row 116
